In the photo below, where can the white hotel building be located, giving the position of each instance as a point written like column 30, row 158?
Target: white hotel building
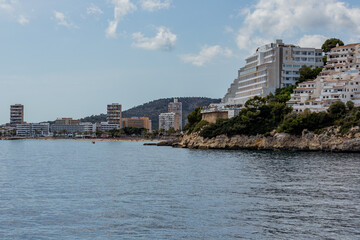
column 339, row 81
column 273, row 66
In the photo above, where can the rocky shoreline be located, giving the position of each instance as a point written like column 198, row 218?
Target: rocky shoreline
column 330, row 140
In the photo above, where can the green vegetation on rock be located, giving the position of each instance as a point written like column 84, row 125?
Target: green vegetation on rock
column 264, row 115
column 259, row 117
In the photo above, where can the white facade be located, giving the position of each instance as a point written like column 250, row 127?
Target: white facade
column 176, row 107
column 167, row 121
column 89, row 127
column 339, row 81
column 273, row 66
column 32, row 129
column 105, row 126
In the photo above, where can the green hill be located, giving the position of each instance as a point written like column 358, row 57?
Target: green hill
column 154, row 108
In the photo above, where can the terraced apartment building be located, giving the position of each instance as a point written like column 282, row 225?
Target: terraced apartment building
column 272, row 66
column 339, row 81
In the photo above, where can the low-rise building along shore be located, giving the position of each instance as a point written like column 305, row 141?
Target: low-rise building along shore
column 32, row 130
column 137, row 122
column 339, row 81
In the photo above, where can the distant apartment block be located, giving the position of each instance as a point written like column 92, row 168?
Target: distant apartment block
column 137, row 122
column 16, row 114
column 67, row 125
column 114, row 114
column 176, row 107
column 67, row 121
column 88, row 127
column 272, row 66
column 105, row 126
column 32, row 129
column 339, row 81
column 169, row 120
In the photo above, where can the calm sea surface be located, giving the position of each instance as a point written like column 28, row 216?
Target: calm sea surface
column 119, row 190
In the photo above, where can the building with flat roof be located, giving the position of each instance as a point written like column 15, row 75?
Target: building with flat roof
column 114, row 114
column 169, row 120
column 105, row 126
column 67, row 125
column 176, row 107
column 16, row 114
column 32, row 129
column 137, row 122
column 67, row 121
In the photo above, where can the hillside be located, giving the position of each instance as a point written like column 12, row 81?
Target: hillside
column 154, row 108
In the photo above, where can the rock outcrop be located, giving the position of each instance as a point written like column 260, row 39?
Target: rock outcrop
column 330, row 140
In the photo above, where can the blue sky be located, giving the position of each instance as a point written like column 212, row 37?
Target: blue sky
column 71, row 58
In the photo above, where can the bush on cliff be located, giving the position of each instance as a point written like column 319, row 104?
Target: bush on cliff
column 193, row 119
column 259, row 117
column 296, row 123
column 338, row 114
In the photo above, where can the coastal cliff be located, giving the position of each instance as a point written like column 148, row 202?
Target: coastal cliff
column 330, row 140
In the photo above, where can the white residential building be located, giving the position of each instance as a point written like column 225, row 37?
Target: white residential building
column 176, row 107
column 169, row 120
column 32, row 129
column 273, row 66
column 88, row 127
column 105, row 126
column 339, row 81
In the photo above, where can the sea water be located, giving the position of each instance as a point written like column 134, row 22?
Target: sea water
column 124, row 190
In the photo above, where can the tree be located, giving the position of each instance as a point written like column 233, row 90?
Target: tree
column 255, row 103
column 193, row 118
column 337, row 110
column 350, row 105
column 331, row 43
column 306, row 73
column 284, row 94
column 98, row 133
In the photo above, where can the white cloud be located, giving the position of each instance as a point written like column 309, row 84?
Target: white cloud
column 121, row 9
column 152, row 5
column 23, row 20
column 315, row 41
column 11, row 8
column 7, row 5
column 164, row 40
column 272, row 19
column 94, row 10
column 206, row 54
column 229, row 29
column 63, row 21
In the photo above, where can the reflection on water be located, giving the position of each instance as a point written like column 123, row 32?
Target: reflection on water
column 111, row 190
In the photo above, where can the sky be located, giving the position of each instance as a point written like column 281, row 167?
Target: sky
column 66, row 58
